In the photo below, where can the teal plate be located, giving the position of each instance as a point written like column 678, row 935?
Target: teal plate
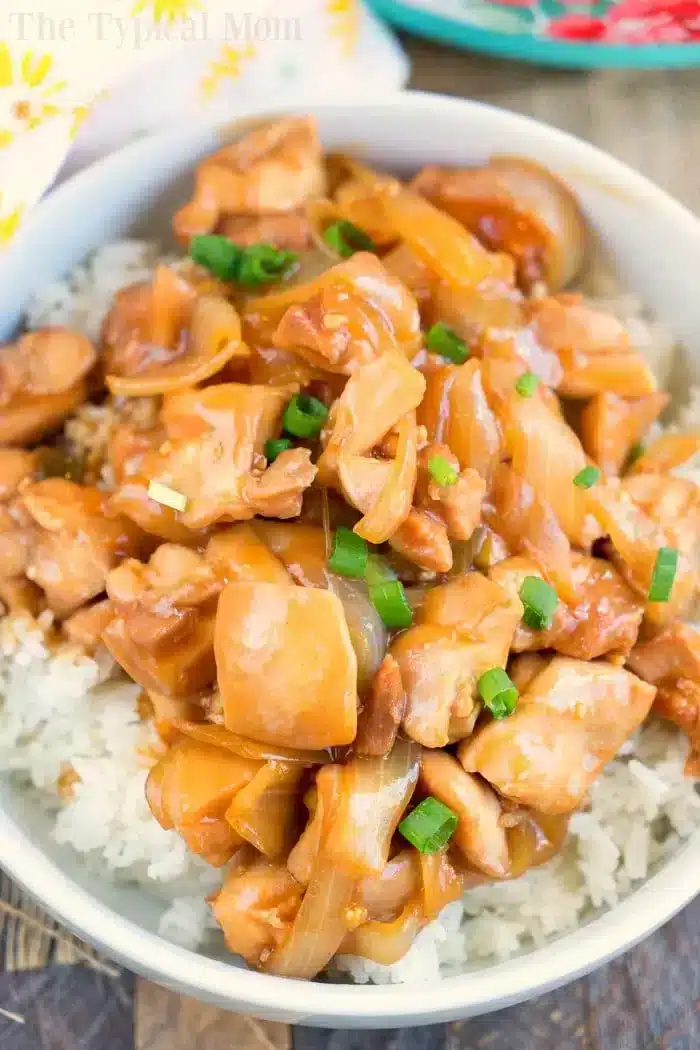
column 632, row 34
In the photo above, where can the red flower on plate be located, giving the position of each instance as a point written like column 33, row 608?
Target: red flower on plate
column 633, row 22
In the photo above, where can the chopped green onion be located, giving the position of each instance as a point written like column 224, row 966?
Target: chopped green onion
column 429, row 826
column 498, row 692
column 441, row 339
column 350, row 553
column 390, row 601
column 263, row 263
column 345, row 239
column 587, row 477
column 540, row 602
column 377, row 571
column 527, row 384
column 442, row 471
column 304, row 415
column 217, row 254
column 664, row 574
column 166, row 496
column 274, row 446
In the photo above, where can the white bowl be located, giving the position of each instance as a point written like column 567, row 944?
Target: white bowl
column 655, row 246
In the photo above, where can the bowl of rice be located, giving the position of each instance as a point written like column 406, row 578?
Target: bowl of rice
column 95, row 858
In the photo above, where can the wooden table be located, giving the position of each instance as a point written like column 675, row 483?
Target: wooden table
column 650, row 999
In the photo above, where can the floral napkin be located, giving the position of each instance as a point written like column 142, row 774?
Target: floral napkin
column 80, row 77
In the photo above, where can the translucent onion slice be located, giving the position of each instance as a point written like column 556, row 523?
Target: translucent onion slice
column 214, row 339
column 319, row 928
column 368, row 634
column 219, row 736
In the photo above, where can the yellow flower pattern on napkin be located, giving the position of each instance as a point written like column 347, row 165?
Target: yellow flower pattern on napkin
column 78, row 79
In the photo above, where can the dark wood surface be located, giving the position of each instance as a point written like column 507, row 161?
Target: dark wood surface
column 649, row 999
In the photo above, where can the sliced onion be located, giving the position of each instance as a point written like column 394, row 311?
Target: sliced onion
column 319, row 928
column 218, row 736
column 368, row 633
column 372, row 795
column 386, row 942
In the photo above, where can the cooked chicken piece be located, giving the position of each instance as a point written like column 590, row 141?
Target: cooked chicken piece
column 163, row 630
column 16, row 466
column 642, row 514
column 458, row 504
column 272, row 170
column 286, row 232
column 348, row 317
column 672, row 653
column 41, row 382
column 566, row 727
column 383, row 711
column 300, row 548
column 465, row 628
column 680, row 704
column 256, row 908
column 44, row 362
column 524, row 668
column 281, row 682
column 278, row 491
column 239, row 553
column 17, row 528
column 85, row 626
column 422, row 539
column 386, row 895
column 671, row 660
column 602, row 619
column 214, row 456
column 529, row 527
column 593, row 347
column 479, row 834
column 77, row 542
column 666, row 454
column 190, row 789
column 611, row 426
column 516, row 206
column 421, row 281
column 455, row 412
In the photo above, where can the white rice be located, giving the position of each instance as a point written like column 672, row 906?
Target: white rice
column 62, row 708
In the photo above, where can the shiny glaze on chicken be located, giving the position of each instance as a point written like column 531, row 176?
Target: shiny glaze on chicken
column 476, row 430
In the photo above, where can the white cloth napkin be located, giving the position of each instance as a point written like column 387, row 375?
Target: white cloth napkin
column 81, row 77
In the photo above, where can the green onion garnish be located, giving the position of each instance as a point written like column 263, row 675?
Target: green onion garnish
column 274, row 446
column 350, row 553
column 498, row 692
column 166, row 496
column 664, row 574
column 527, row 384
column 442, row 471
column 217, row 254
column 587, row 477
column 540, row 602
column 377, row 571
column 390, row 601
column 429, row 826
column 252, row 266
column 263, row 263
column 441, row 339
column 304, row 415
column 345, row 239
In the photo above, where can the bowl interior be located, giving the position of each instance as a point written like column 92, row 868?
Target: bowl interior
column 654, row 246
